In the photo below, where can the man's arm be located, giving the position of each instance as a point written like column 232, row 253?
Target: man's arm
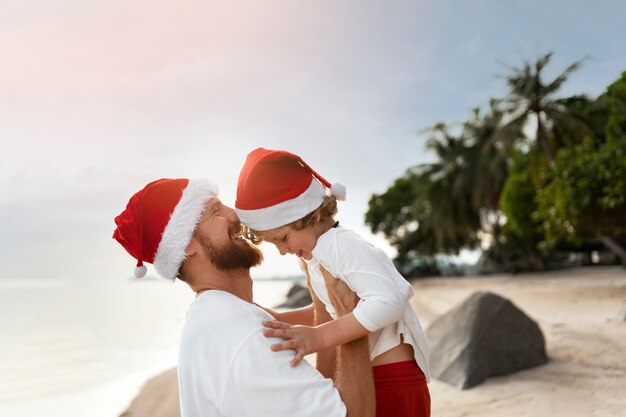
column 354, row 378
column 325, row 358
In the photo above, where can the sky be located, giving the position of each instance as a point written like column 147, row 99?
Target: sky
column 100, row 97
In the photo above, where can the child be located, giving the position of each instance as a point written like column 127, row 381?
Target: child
column 280, row 199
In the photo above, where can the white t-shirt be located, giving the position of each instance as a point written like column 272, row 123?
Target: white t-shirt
column 226, row 367
column 384, row 307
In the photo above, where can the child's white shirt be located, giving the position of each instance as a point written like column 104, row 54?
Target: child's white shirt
column 384, row 308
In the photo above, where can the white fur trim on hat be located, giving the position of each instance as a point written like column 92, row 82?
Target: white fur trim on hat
column 286, row 212
column 179, row 230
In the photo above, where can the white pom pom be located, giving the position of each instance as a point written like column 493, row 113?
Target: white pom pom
column 140, row 271
column 339, row 191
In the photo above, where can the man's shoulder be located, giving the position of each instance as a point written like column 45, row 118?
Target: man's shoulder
column 224, row 315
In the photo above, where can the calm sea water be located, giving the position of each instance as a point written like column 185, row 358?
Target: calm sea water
column 84, row 348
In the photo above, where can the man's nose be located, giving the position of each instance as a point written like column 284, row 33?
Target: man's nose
column 231, row 215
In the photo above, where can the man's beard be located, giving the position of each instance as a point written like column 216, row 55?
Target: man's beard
column 231, row 256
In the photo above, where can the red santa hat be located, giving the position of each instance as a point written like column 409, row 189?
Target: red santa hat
column 276, row 188
column 158, row 222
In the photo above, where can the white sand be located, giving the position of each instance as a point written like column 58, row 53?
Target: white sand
column 576, row 310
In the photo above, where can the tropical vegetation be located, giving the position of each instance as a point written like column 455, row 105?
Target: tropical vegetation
column 530, row 180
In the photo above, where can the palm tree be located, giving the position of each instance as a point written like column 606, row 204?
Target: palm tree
column 493, row 143
column 530, row 95
column 452, row 217
column 475, row 164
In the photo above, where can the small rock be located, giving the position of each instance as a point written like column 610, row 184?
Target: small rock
column 297, row 296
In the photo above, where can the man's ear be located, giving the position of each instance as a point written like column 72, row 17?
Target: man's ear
column 192, row 248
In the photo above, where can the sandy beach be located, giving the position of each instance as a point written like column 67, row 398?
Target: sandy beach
column 586, row 345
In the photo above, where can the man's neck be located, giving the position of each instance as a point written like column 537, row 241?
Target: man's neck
column 237, row 282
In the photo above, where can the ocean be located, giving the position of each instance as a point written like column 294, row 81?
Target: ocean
column 85, row 348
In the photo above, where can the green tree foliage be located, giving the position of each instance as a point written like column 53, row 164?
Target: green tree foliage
column 441, row 207
column 516, row 241
column 615, row 99
column 518, row 199
column 396, row 214
column 564, row 186
column 584, row 195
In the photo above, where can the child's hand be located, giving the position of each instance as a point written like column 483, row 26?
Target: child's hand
column 302, row 339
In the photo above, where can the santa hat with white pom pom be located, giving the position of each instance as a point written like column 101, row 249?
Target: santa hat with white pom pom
column 159, row 221
column 276, row 188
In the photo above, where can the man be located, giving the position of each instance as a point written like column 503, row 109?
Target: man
column 226, row 366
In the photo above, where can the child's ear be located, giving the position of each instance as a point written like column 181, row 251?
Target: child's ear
column 317, row 216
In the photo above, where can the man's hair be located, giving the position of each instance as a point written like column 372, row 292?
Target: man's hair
column 326, row 210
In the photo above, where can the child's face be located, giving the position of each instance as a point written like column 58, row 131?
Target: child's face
column 289, row 240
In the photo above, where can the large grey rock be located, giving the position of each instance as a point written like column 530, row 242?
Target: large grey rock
column 484, row 336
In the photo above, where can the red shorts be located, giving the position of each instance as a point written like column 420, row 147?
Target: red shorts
column 401, row 390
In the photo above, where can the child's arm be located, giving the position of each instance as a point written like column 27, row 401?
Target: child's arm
column 305, row 339
column 384, row 293
column 269, row 311
column 304, row 316
column 338, row 292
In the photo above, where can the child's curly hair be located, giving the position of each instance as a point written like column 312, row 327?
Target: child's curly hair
column 327, row 209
